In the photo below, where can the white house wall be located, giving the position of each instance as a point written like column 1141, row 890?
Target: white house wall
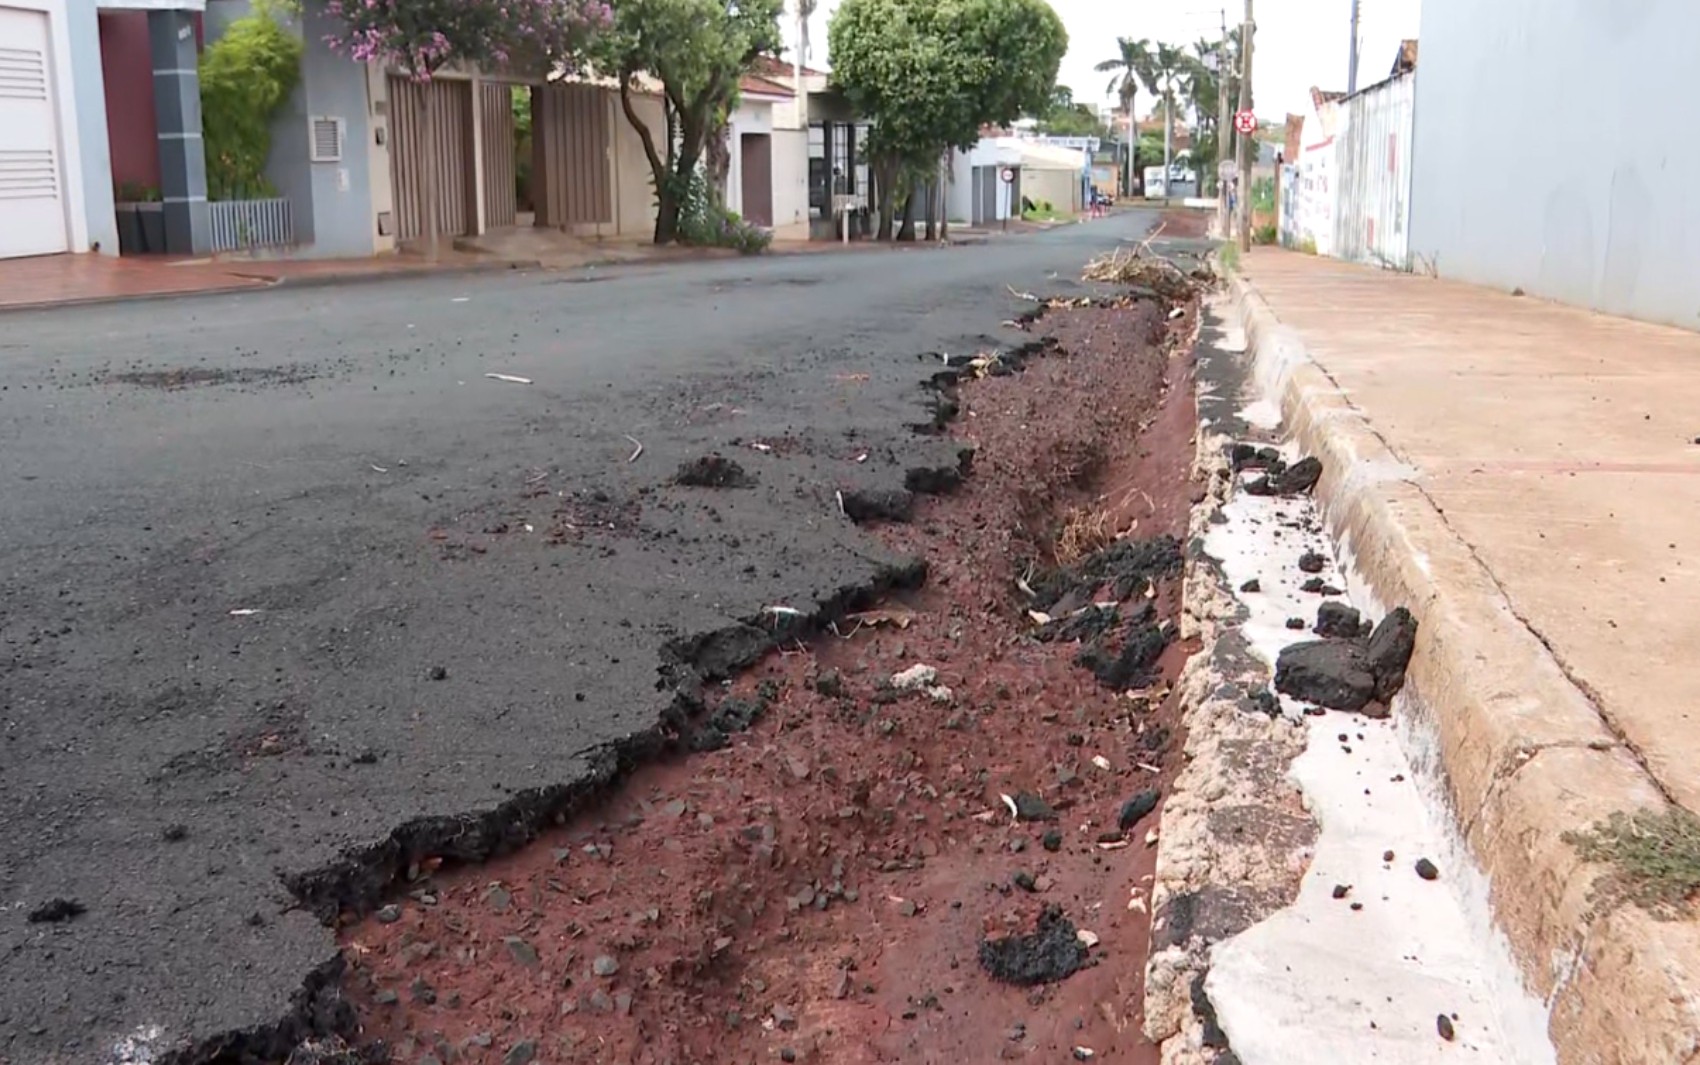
column 1551, row 154
column 1373, row 153
column 791, row 184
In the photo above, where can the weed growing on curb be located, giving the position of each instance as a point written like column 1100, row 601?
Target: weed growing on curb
column 1655, row 860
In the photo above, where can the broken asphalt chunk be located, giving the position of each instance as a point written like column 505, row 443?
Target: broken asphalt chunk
column 1050, row 953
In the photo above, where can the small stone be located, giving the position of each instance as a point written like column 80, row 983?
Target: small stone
column 389, row 914
column 1017, row 845
column 1342, row 890
column 498, row 898
column 1296, row 624
column 623, row 1003
column 787, row 1054
column 522, row 952
column 1311, row 562
column 520, row 1053
column 914, row 678
column 386, row 997
column 599, row 1002
column 1443, row 1025
column 784, row 1019
column 1023, row 880
column 799, row 767
column 841, row 984
column 422, row 992
column 604, row 965
column 1386, row 856
column 1135, row 809
column 438, row 673
column 1084, row 1054
column 1252, row 586
column 1029, row 807
column 1337, row 620
column 174, row 833
column 480, row 1039
column 1052, row 840
column 1427, row 869
column 907, row 907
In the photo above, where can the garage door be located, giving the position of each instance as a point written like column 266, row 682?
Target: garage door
column 32, row 210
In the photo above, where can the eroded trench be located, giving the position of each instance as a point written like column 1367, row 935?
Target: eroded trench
column 914, row 822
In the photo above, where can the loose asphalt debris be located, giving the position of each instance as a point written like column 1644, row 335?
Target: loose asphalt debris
column 1338, row 621
column 1284, row 480
column 713, row 471
column 1427, row 869
column 1052, row 952
column 1134, row 810
column 56, row 911
column 1355, row 674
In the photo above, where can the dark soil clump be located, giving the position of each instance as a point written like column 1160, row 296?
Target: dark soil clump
column 892, row 504
column 713, row 471
column 1125, row 568
column 1053, row 952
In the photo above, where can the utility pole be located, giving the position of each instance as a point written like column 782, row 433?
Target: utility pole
column 1246, row 141
column 1224, row 127
column 1352, row 56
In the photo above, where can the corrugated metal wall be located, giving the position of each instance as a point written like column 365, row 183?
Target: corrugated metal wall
column 1373, row 152
column 571, row 179
column 500, row 194
column 450, row 153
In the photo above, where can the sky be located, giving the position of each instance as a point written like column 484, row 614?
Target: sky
column 1299, row 43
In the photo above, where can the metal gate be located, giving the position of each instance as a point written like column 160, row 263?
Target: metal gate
column 501, row 195
column 1373, row 153
column 449, row 152
column 571, row 142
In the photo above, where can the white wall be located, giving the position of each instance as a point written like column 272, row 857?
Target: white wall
column 1554, row 151
column 790, row 183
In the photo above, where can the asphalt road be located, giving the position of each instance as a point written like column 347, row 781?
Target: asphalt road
column 289, row 587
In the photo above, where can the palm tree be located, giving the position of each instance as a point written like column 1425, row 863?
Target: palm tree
column 1163, row 73
column 1128, row 68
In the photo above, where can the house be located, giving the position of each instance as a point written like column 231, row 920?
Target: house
column 975, row 190
column 768, row 182
column 1053, row 175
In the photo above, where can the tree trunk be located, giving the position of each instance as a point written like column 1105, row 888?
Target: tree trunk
column 431, row 192
column 949, row 179
column 885, row 175
column 906, row 232
column 1168, row 138
column 932, row 189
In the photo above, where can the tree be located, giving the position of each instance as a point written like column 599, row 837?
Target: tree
column 421, row 37
column 1163, row 74
column 697, row 50
column 1128, row 68
column 930, row 73
column 1203, row 86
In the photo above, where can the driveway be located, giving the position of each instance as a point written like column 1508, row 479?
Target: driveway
column 293, row 590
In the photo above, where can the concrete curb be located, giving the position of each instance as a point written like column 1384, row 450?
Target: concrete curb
column 1236, row 836
column 1526, row 756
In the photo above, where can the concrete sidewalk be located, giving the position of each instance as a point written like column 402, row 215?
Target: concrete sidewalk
column 1524, row 476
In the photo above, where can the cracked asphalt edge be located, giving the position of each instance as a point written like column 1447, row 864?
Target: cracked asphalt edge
column 362, row 876
column 1236, row 835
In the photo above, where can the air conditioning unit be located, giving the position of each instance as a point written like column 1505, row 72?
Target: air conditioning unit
column 324, row 138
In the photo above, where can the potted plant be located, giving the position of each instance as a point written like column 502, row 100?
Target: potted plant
column 141, row 219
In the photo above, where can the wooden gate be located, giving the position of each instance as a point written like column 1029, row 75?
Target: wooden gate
column 501, row 202
column 449, row 152
column 571, row 178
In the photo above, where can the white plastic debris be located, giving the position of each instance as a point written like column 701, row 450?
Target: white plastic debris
column 1087, row 939
column 509, row 378
column 1101, row 762
column 244, row 612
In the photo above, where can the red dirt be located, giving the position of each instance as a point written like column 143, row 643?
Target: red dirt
column 817, row 890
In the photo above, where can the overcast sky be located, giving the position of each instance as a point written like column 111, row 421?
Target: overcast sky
column 1300, row 43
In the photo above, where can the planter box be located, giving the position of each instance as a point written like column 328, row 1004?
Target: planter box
column 129, row 228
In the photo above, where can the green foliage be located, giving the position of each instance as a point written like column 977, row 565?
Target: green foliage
column 521, row 102
column 1043, row 211
column 705, row 223
column 1263, row 194
column 1265, row 234
column 930, row 73
column 246, row 76
column 697, row 49
column 1077, row 120
column 1229, row 254
column 1654, row 859
column 136, row 192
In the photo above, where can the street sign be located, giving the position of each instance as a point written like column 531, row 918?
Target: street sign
column 1007, row 174
column 1245, row 122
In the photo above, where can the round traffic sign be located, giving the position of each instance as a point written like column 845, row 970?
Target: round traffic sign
column 1008, row 175
column 1245, row 122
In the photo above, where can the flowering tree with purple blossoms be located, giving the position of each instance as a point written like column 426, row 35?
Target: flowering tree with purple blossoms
column 418, row 38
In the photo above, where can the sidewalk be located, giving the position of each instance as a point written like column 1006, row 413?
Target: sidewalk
column 1525, row 476
column 57, row 280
